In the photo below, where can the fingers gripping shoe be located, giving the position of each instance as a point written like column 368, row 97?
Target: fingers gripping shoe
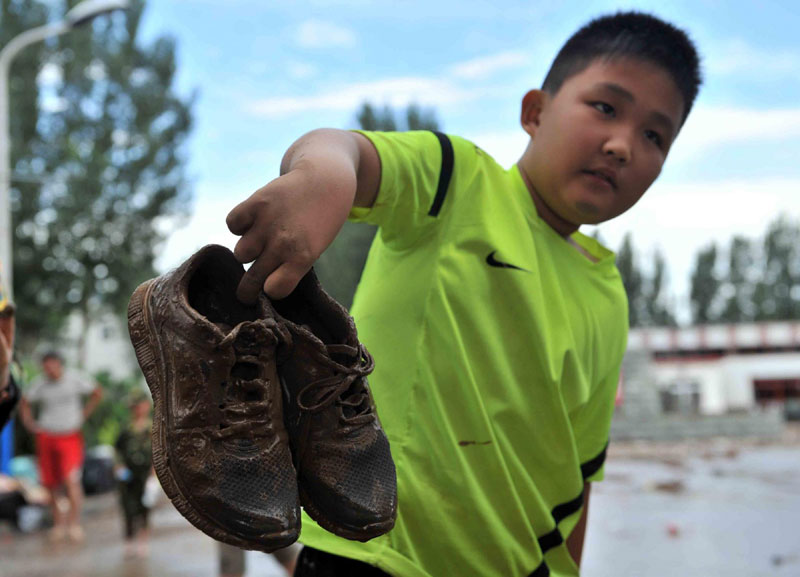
column 220, row 448
column 346, row 475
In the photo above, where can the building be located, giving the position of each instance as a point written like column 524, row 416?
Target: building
column 737, row 379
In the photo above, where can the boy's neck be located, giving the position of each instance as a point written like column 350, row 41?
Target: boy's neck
column 558, row 224
column 563, row 227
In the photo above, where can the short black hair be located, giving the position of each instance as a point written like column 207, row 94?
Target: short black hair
column 634, row 35
column 52, row 354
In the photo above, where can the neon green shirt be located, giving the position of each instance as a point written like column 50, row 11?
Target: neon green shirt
column 498, row 347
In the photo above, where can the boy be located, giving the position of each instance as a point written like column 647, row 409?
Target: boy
column 498, row 328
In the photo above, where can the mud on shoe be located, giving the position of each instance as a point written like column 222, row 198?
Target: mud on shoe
column 220, row 448
column 346, row 475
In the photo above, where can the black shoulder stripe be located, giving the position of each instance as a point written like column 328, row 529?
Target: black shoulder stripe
column 541, row 571
column 445, row 174
column 591, row 467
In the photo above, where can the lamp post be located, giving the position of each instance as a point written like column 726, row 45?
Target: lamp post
column 77, row 16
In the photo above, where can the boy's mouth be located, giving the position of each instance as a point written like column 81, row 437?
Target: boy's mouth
column 607, row 175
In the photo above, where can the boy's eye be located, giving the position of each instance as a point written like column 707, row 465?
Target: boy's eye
column 604, row 107
column 654, row 136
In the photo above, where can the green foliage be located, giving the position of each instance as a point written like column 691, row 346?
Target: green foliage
column 761, row 281
column 705, row 285
column 778, row 289
column 387, row 120
column 738, row 289
column 656, row 299
column 339, row 268
column 648, row 301
column 631, row 279
column 112, row 413
column 110, row 173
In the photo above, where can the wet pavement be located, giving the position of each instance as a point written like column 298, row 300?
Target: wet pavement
column 176, row 549
column 726, row 512
column 706, row 510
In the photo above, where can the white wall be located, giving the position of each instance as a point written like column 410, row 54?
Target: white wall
column 727, row 384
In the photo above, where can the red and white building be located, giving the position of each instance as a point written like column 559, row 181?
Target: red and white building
column 719, row 369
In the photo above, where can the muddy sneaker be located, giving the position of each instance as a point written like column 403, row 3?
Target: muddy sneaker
column 220, row 449
column 346, row 475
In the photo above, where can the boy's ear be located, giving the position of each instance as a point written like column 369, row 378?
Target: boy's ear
column 533, row 103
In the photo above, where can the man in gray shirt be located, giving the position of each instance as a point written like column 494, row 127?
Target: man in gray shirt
column 59, row 443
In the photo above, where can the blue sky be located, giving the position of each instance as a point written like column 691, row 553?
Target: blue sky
column 266, row 72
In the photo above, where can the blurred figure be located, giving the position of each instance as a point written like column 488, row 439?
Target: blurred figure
column 59, row 442
column 9, row 389
column 134, row 468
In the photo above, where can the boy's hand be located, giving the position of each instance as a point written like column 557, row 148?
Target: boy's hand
column 286, row 225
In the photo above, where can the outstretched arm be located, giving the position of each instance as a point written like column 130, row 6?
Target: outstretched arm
column 287, row 224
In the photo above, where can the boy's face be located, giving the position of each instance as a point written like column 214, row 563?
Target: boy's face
column 600, row 142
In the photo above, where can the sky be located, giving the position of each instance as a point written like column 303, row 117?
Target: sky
column 264, row 73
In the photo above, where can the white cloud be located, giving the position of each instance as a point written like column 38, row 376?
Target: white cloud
column 708, row 127
column 396, row 92
column 739, row 57
column 205, row 226
column 484, row 66
column 321, row 34
column 505, row 147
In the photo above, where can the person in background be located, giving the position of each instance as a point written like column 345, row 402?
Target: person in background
column 9, row 389
column 134, row 467
column 59, row 442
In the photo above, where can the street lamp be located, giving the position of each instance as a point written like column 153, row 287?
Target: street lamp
column 77, row 16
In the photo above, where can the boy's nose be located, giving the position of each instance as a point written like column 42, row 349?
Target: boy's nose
column 618, row 147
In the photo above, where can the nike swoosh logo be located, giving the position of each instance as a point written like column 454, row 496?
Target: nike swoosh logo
column 491, row 261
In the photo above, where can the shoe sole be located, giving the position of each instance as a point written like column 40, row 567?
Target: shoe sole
column 147, row 348
column 353, row 533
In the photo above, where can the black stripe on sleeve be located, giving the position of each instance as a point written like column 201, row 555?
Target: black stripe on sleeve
column 591, row 467
column 564, row 510
column 551, row 540
column 445, row 174
column 541, row 571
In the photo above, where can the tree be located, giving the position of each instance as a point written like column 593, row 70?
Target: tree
column 339, row 268
column 704, row 286
column 115, row 182
column 738, row 286
column 413, row 118
column 631, row 279
column 778, row 291
column 656, row 301
column 26, row 168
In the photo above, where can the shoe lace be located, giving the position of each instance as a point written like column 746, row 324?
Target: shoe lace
column 346, row 387
column 245, row 405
